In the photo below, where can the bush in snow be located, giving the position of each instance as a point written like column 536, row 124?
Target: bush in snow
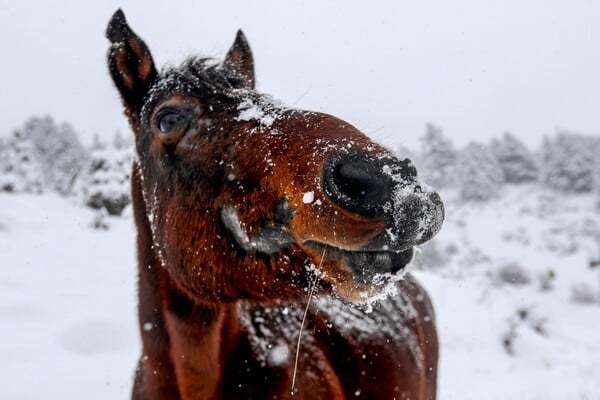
column 107, row 181
column 437, row 158
column 100, row 221
column 513, row 274
column 479, row 173
column 546, row 280
column 568, row 162
column 523, row 318
column 584, row 293
column 516, row 161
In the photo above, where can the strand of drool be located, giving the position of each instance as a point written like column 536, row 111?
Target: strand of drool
column 310, row 295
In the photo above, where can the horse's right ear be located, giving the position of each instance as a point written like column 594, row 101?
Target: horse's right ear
column 239, row 59
column 130, row 64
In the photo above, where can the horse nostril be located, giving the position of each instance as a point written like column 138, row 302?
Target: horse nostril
column 358, row 184
column 355, row 181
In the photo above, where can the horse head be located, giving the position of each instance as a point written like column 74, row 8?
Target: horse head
column 245, row 197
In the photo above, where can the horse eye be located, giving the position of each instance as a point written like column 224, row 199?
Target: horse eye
column 169, row 119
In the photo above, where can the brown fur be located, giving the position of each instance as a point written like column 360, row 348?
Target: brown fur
column 209, row 302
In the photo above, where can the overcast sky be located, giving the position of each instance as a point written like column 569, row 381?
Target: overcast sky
column 475, row 68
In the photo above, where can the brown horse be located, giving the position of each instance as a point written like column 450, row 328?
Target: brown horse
column 245, row 208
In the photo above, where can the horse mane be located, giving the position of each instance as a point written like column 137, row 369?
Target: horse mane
column 201, row 77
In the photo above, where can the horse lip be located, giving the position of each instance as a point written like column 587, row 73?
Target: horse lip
column 269, row 240
column 366, row 263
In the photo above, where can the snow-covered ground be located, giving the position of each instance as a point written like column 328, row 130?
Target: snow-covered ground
column 553, row 339
column 68, row 319
column 67, row 302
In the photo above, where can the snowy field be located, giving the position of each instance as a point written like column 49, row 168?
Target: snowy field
column 508, row 330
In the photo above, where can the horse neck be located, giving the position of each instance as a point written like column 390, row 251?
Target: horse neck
column 180, row 337
column 202, row 338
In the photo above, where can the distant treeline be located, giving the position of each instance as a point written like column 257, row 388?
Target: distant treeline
column 567, row 162
column 44, row 156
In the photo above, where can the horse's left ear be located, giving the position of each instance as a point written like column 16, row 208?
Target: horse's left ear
column 130, row 64
column 239, row 59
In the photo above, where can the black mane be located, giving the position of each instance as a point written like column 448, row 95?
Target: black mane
column 201, row 77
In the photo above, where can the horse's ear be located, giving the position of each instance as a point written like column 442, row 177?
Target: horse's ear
column 130, row 64
column 239, row 59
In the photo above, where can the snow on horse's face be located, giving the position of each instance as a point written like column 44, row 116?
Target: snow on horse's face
column 245, row 196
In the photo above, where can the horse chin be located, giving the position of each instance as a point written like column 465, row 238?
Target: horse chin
column 358, row 276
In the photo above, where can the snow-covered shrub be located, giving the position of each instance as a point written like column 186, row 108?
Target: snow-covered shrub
column 517, row 162
column 568, row 162
column 512, row 274
column 584, row 293
column 100, row 220
column 437, row 158
column 546, row 280
column 479, row 173
column 107, row 182
column 523, row 321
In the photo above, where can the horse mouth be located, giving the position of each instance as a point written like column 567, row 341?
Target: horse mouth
column 364, row 265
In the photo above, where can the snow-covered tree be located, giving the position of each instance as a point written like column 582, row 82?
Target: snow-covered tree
column 58, row 151
column 479, row 173
column 437, row 158
column 568, row 161
column 107, row 184
column 41, row 156
column 517, row 163
column 20, row 171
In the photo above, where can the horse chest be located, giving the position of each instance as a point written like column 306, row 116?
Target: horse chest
column 342, row 351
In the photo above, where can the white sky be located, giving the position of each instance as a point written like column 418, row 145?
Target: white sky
column 475, row 68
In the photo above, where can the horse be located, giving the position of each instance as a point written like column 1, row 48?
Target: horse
column 272, row 242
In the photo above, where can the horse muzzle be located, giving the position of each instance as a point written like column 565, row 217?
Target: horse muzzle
column 385, row 188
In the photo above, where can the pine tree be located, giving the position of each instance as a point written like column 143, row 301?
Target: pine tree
column 479, row 173
column 107, row 184
column 20, row 172
column 517, row 162
column 438, row 158
column 568, row 162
